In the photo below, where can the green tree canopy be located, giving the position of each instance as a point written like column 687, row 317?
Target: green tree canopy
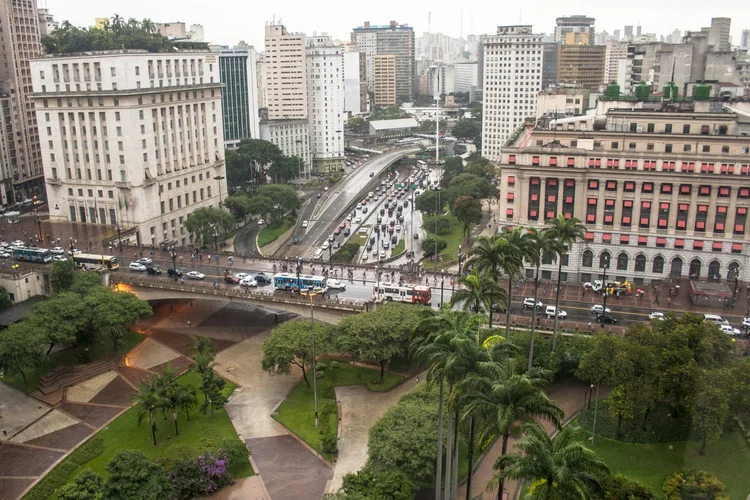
column 285, row 199
column 239, row 205
column 466, row 129
column 380, row 335
column 61, row 275
column 432, row 245
column 21, row 348
column 428, row 203
column 468, row 211
column 439, row 224
column 290, row 343
column 61, row 319
column 262, row 206
column 208, row 223
column 358, row 125
column 116, row 35
column 467, row 184
column 389, row 484
column 112, row 312
column 5, row 302
column 254, row 159
column 87, row 485
column 131, row 475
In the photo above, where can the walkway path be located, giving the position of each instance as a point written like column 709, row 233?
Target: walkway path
column 570, row 395
column 360, row 408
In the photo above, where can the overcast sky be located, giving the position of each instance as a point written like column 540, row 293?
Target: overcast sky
column 228, row 21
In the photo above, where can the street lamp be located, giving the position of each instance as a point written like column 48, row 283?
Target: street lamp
column 299, row 272
column 596, row 407
column 460, row 257
column 330, row 249
column 173, row 254
column 119, row 237
column 736, row 276
column 219, row 178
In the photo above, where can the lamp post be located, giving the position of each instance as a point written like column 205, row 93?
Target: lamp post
column 119, row 237
column 330, row 249
column 173, row 254
column 299, row 272
column 460, row 257
column 596, row 407
column 736, row 283
column 604, row 290
column 437, row 213
column 219, row 178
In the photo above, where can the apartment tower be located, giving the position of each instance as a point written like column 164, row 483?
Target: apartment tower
column 396, row 39
column 385, row 80
column 237, row 69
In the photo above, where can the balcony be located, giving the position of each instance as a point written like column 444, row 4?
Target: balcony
column 122, row 184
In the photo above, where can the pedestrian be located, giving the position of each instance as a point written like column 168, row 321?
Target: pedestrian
column 417, row 378
column 188, row 323
column 589, row 326
column 656, row 299
column 201, row 258
column 5, row 432
column 669, row 302
column 275, row 318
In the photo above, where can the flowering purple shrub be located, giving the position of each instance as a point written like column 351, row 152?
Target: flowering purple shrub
column 202, row 476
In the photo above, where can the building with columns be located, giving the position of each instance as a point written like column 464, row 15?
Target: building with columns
column 131, row 139
column 663, row 194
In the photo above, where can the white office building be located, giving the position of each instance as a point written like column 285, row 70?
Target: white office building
column 131, row 139
column 353, row 84
column 325, row 97
column 616, row 52
column 512, row 80
column 464, row 76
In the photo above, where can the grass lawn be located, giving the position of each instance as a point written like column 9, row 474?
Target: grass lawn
column 399, row 248
column 297, row 410
column 71, row 357
column 125, row 433
column 454, row 236
column 271, row 232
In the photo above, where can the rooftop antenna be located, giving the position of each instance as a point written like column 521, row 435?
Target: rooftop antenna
column 429, row 22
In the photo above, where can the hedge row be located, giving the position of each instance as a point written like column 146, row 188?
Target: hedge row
column 62, row 472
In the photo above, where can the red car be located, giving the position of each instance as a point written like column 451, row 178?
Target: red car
column 230, row 278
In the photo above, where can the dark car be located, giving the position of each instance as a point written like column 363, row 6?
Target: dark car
column 262, row 279
column 606, row 318
column 230, row 278
column 174, row 272
column 295, row 240
column 153, row 270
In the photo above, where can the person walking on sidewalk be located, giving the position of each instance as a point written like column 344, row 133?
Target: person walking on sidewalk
column 656, row 299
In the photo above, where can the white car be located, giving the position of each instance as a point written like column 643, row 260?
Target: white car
column 57, row 250
column 382, row 254
column 304, row 223
column 336, row 284
column 18, row 243
column 365, row 256
column 4, row 255
column 550, row 311
column 248, row 282
column 60, row 258
column 656, row 315
column 398, row 229
column 746, row 322
column 730, row 330
column 75, row 251
column 261, row 222
column 137, row 266
column 529, row 302
column 242, row 276
column 145, row 261
column 324, row 246
column 195, row 275
column 598, row 309
column 358, row 220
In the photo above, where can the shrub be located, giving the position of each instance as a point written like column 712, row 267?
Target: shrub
column 346, row 253
column 235, row 450
column 201, row 476
column 619, row 487
column 430, row 242
column 392, row 484
column 329, row 392
column 87, row 485
column 319, row 375
column 694, row 484
column 174, row 454
column 335, row 365
column 441, row 222
column 60, row 474
column 321, row 366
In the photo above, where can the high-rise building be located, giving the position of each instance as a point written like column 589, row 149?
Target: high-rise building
column 509, row 91
column 745, row 40
column 616, row 51
column 638, row 30
column 196, row 33
column 21, row 43
column 7, row 150
column 285, row 70
column 384, row 80
column 574, row 24
column 628, row 33
column 616, row 35
column 144, row 151
column 464, row 76
column 354, row 103
column 396, row 39
column 47, row 23
column 240, row 99
column 582, row 65
column 549, row 64
column 676, row 36
column 480, row 61
column 718, row 36
column 325, row 97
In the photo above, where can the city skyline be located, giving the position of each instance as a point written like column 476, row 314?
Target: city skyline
column 228, row 30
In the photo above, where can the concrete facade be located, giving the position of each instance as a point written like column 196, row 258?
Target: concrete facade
column 575, row 26
column 21, row 16
column 24, row 285
column 325, row 97
column 384, row 83
column 292, row 137
column 652, row 205
column 615, row 53
column 396, row 39
column 512, row 79
column 132, row 139
column 465, row 76
column 355, row 83
column 581, row 65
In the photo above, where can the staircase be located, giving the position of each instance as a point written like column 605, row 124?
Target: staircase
column 64, row 376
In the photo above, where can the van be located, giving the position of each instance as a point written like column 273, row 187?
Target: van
column 715, row 318
column 318, row 254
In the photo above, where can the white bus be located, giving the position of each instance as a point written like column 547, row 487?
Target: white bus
column 391, row 292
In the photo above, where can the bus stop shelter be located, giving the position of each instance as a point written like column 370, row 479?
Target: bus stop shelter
column 710, row 293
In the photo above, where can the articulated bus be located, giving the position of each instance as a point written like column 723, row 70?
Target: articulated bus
column 289, row 281
column 391, row 292
column 87, row 259
column 32, row 254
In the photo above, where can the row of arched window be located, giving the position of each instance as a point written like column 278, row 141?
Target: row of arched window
column 622, row 263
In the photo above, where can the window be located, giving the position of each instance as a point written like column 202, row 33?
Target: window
column 622, row 262
column 668, row 128
column 614, row 145
column 667, row 148
column 640, row 263
column 604, row 259
column 687, row 147
column 650, row 146
column 588, row 259
column 658, row 266
column 648, row 187
column 725, row 149
column 650, row 128
column 706, row 148
column 686, row 129
column 631, row 146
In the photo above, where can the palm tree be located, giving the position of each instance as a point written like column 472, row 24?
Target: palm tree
column 480, row 293
column 167, row 388
column 185, row 398
column 559, row 468
column 512, row 246
column 566, row 232
column 486, row 257
column 507, row 399
column 541, row 244
column 148, row 402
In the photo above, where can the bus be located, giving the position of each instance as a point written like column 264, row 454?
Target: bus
column 391, row 292
column 32, row 254
column 421, row 163
column 289, row 281
column 88, row 259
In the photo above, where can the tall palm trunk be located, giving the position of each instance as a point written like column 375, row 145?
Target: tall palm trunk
column 456, row 437
column 557, row 304
column 533, row 318
column 471, row 458
column 449, row 451
column 507, row 312
column 439, row 467
column 501, row 484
